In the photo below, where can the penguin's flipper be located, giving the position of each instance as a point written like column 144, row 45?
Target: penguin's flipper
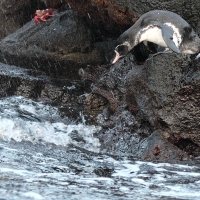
column 167, row 34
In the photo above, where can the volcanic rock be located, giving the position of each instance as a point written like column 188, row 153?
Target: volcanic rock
column 14, row 14
column 58, row 47
column 157, row 148
column 115, row 16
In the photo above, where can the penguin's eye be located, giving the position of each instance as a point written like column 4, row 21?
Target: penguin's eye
column 122, row 49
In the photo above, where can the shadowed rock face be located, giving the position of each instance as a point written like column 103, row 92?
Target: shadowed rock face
column 157, row 148
column 111, row 17
column 66, row 94
column 167, row 93
column 15, row 14
column 162, row 95
column 58, row 47
column 114, row 16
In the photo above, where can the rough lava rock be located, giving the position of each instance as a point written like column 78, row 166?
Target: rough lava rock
column 110, row 17
column 162, row 95
column 14, row 14
column 167, row 93
column 114, row 16
column 157, row 148
column 58, row 47
column 67, row 95
column 122, row 132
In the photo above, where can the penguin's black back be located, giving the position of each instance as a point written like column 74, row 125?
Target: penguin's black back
column 163, row 16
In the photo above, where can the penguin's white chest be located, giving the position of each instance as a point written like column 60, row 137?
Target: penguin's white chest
column 152, row 34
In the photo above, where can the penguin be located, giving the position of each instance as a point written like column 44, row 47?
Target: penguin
column 164, row 28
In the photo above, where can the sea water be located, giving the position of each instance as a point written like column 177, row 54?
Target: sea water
column 46, row 156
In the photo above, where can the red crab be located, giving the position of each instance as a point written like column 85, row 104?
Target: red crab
column 42, row 15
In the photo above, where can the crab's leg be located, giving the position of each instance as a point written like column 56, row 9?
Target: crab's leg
column 43, row 19
column 36, row 20
column 52, row 15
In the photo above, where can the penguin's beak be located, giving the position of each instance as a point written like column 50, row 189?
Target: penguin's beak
column 117, row 56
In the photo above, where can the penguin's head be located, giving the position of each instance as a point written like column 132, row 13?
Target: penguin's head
column 120, row 51
column 190, row 43
column 123, row 47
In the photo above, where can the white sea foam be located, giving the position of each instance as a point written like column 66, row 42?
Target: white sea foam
column 23, row 119
column 34, row 174
column 15, row 171
column 198, row 56
column 130, row 179
column 169, row 180
column 33, row 195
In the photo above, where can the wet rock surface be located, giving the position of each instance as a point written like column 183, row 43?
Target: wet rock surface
column 67, row 95
column 116, row 15
column 157, row 148
column 13, row 15
column 167, row 94
column 155, row 95
column 58, row 47
column 88, row 175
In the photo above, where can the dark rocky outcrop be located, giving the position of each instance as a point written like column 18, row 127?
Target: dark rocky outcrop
column 157, row 148
column 114, row 16
column 166, row 91
column 162, row 95
column 59, row 47
column 111, row 17
column 67, row 95
column 14, row 14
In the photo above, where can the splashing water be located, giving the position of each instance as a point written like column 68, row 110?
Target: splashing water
column 46, row 156
column 23, row 119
